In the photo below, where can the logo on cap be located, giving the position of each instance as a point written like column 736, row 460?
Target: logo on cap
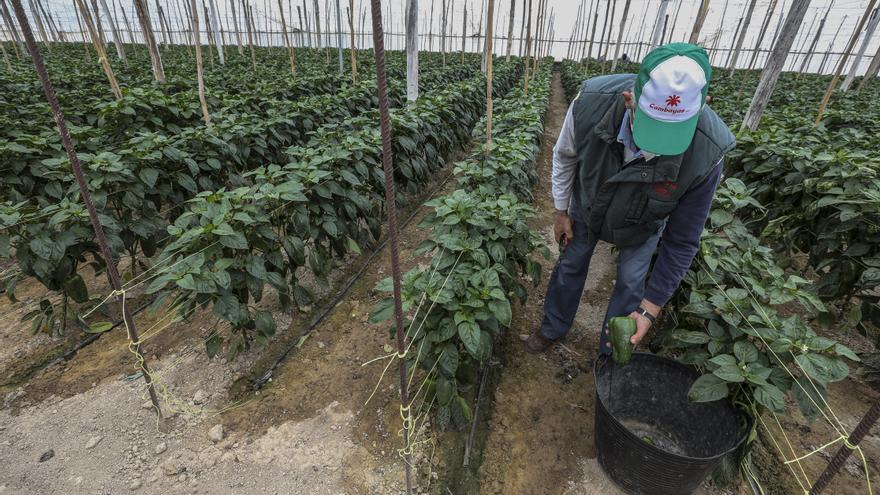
column 673, row 100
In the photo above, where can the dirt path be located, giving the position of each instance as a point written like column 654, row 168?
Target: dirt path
column 541, row 438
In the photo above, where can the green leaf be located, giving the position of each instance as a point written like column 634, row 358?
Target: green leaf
column 448, row 362
column 691, row 337
column 770, row 397
column 809, row 396
column 501, row 310
column 708, row 388
column 730, row 373
column 823, row 368
column 265, row 323
column 724, row 360
column 234, row 241
column 745, row 351
column 100, row 327
column 75, row 287
column 149, row 176
column 469, row 333
column 842, row 350
column 352, row 246
column 382, row 310
column 212, row 345
column 256, row 267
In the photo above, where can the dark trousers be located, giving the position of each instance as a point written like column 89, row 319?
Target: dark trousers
column 567, row 282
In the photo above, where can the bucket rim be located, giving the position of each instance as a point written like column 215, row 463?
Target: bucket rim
column 743, row 434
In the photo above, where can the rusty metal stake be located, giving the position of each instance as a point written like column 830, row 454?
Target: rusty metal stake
column 391, row 208
column 846, row 449
column 115, row 281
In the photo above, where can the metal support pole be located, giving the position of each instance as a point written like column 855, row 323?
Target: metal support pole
column 86, row 196
column 391, row 209
column 843, row 453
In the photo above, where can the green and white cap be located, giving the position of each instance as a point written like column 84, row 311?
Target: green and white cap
column 670, row 91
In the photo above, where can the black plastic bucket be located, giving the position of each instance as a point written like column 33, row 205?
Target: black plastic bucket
column 650, row 438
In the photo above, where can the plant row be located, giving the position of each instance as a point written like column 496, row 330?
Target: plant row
column 481, row 249
column 230, row 245
column 139, row 190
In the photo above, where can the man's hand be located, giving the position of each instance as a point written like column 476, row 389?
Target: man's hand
column 562, row 228
column 643, row 324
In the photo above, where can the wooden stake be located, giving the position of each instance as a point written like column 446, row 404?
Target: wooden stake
column 657, row 35
column 200, row 73
column 150, row 40
column 339, row 38
column 674, row 21
column 843, row 59
column 774, row 64
column 866, row 39
column 731, row 67
column 528, row 48
column 317, row 23
column 489, row 89
column 831, row 45
column 327, row 29
column 871, row 73
column 125, row 21
column 354, row 67
column 431, row 28
column 481, row 45
column 720, row 31
column 764, row 28
column 510, row 29
column 235, row 26
column 117, row 41
column 443, row 27
column 412, row 50
column 592, row 34
column 82, row 31
column 6, row 57
column 96, row 20
column 210, row 34
column 214, row 22
column 623, row 20
column 800, row 49
column 464, row 31
column 290, row 52
column 183, row 21
column 522, row 28
column 39, row 22
column 815, row 41
column 99, row 47
column 246, row 9
column 10, row 25
column 575, row 30
column 698, row 23
column 641, row 34
column 363, row 27
column 603, row 47
column 53, row 30
column 135, row 344
column 735, row 36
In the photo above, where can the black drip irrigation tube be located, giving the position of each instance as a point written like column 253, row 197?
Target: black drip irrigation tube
column 68, row 354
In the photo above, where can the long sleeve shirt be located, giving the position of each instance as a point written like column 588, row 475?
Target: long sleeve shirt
column 681, row 237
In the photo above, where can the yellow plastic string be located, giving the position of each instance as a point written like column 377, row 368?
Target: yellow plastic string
column 403, row 355
column 848, row 445
column 837, row 428
column 782, row 454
